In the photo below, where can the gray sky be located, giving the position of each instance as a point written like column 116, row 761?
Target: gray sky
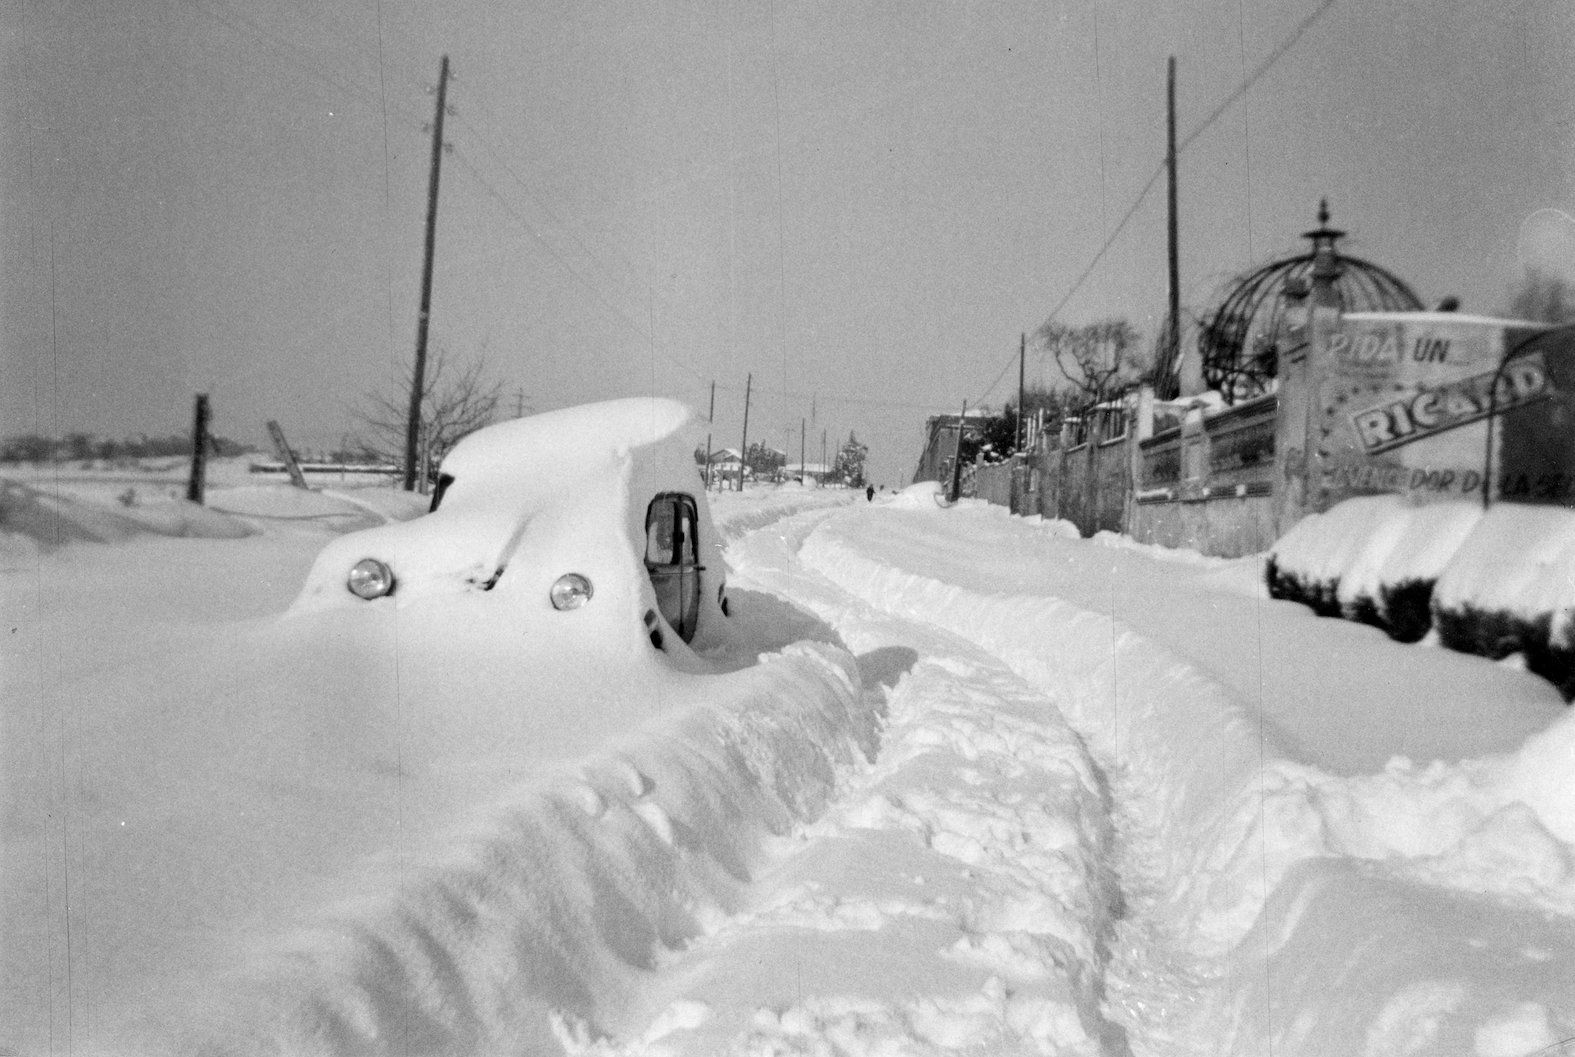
column 864, row 202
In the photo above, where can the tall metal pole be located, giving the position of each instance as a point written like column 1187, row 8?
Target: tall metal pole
column 418, row 374
column 710, row 416
column 1174, row 337
column 743, row 451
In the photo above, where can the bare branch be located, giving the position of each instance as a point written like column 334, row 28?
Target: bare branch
column 454, row 403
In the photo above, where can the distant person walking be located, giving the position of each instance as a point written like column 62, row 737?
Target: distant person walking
column 869, row 493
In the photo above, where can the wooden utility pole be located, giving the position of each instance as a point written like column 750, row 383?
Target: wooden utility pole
column 956, row 492
column 1022, row 387
column 419, row 372
column 1174, row 337
column 197, row 485
column 710, row 417
column 743, row 451
column 825, row 468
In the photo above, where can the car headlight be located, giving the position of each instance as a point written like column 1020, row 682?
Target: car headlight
column 571, row 591
column 369, row 579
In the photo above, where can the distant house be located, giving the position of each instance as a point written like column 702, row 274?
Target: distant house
column 723, row 466
column 818, row 472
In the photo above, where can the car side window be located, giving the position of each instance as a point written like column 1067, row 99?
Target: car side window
column 670, row 530
column 659, row 532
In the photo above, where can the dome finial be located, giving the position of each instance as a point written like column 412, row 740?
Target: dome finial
column 1323, row 212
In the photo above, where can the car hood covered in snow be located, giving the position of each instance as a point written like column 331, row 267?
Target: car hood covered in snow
column 533, row 499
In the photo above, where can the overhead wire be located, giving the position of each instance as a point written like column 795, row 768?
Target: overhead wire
column 584, row 280
column 1263, row 67
column 514, row 175
column 285, row 51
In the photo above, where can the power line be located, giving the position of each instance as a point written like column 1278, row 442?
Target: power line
column 584, row 280
column 824, row 398
column 1246, row 85
column 632, row 273
column 1257, row 74
column 286, row 52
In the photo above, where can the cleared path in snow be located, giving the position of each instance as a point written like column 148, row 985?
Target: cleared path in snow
column 961, row 895
column 1419, row 909
column 956, row 897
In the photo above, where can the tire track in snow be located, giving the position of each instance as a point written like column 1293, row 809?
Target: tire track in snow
column 956, row 898
column 1274, row 907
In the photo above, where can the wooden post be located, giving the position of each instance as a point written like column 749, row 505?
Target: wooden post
column 286, row 454
column 419, row 371
column 803, row 424
column 743, row 451
column 1173, row 337
column 197, row 484
column 956, row 492
column 710, row 416
column 1022, row 369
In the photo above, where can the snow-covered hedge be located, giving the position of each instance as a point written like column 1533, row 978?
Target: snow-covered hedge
column 1510, row 588
column 1494, row 583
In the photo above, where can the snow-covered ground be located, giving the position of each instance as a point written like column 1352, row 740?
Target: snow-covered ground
column 989, row 789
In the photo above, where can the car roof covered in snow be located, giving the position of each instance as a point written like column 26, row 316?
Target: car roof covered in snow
column 582, row 475
column 570, row 439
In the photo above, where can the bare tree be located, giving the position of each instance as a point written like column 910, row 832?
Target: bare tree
column 1099, row 359
column 455, row 401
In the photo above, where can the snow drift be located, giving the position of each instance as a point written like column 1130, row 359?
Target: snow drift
column 32, row 517
column 1493, row 583
column 1372, row 913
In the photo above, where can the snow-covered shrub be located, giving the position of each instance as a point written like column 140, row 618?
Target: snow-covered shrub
column 1360, row 589
column 1309, row 561
column 1510, row 588
column 1373, row 559
column 1431, row 535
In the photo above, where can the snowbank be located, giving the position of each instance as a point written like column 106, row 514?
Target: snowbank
column 341, row 510
column 538, row 925
column 326, row 855
column 739, row 513
column 31, row 518
column 923, row 493
column 1353, row 898
column 1494, row 583
column 1179, row 555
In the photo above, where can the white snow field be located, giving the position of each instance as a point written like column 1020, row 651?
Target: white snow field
column 988, row 789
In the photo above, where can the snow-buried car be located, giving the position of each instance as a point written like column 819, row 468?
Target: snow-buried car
column 593, row 517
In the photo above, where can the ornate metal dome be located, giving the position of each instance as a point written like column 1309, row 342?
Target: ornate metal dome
column 1240, row 342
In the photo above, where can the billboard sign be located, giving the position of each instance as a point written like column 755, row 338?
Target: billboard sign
column 1436, row 406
